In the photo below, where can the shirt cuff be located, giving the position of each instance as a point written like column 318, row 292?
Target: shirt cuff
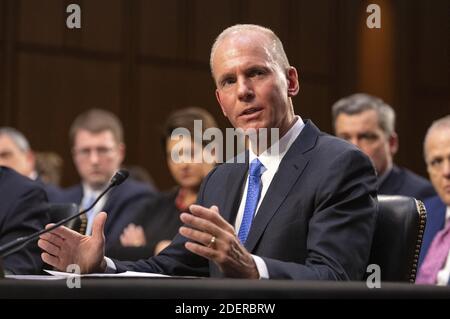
column 110, row 266
column 261, row 266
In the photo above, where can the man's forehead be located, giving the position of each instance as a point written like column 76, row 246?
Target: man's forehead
column 7, row 142
column 83, row 136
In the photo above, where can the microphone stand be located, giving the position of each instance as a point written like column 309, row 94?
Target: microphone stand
column 21, row 242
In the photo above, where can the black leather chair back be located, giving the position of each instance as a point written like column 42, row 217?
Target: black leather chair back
column 398, row 237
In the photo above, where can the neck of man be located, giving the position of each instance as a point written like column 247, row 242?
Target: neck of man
column 259, row 144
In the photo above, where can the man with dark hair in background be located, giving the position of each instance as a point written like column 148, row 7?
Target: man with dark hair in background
column 98, row 150
column 369, row 123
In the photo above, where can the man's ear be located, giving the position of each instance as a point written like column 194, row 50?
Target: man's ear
column 292, row 81
column 220, row 102
column 121, row 148
column 393, row 143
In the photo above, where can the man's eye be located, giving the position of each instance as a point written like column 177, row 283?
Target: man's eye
column 368, row 137
column 228, row 81
column 256, row 72
column 436, row 162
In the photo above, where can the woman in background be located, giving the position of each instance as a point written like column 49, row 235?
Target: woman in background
column 159, row 220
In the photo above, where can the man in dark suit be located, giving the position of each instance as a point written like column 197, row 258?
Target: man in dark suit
column 23, row 211
column 98, row 151
column 434, row 263
column 369, row 123
column 306, row 211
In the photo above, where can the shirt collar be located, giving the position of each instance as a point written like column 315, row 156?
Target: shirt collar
column 272, row 159
column 90, row 192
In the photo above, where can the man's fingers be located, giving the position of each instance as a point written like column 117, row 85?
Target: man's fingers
column 99, row 225
column 211, row 214
column 49, row 247
column 51, row 260
column 55, row 239
column 197, row 236
column 64, row 232
column 200, row 224
column 201, row 250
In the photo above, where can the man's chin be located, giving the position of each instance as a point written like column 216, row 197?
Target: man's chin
column 98, row 183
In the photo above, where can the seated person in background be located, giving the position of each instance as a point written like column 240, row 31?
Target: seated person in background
column 369, row 123
column 49, row 166
column 15, row 153
column 23, row 211
column 98, row 151
column 302, row 206
column 159, row 220
column 434, row 261
column 140, row 174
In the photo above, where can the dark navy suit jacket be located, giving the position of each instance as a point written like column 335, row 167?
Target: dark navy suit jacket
column 23, row 211
column 316, row 220
column 435, row 222
column 122, row 206
column 402, row 181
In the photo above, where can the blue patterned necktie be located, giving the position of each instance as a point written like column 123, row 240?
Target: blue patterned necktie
column 253, row 194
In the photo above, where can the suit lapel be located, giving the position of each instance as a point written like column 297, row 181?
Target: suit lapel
column 290, row 169
column 233, row 191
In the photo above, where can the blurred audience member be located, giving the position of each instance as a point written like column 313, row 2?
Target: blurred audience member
column 159, row 220
column 16, row 153
column 23, row 211
column 49, row 167
column 140, row 174
column 369, row 123
column 434, row 262
column 98, row 150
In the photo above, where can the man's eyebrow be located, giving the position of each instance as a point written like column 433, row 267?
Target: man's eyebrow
column 224, row 76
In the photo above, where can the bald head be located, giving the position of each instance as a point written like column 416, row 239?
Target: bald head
column 249, row 32
column 437, row 157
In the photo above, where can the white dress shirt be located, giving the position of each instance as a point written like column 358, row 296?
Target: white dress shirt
column 271, row 161
column 89, row 193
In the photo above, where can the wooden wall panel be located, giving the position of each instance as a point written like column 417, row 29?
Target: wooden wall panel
column 269, row 13
column 2, row 23
column 433, row 27
column 41, row 22
column 313, row 103
column 51, row 91
column 102, row 25
column 162, row 29
column 207, row 19
column 311, row 34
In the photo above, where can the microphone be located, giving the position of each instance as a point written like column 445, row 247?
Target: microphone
column 17, row 244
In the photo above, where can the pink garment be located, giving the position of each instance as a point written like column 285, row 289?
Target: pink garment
column 435, row 258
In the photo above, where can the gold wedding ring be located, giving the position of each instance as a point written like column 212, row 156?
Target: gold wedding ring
column 212, row 242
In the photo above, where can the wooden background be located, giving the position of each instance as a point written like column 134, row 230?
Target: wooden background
column 142, row 59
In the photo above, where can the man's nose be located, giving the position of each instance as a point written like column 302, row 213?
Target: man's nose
column 446, row 168
column 355, row 141
column 93, row 156
column 245, row 90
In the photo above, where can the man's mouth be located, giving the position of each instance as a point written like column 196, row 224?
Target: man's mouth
column 251, row 110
